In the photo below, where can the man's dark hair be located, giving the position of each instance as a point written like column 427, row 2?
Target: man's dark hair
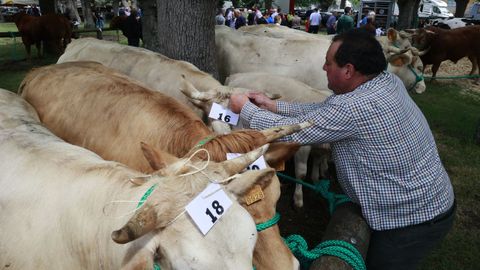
column 362, row 50
column 347, row 10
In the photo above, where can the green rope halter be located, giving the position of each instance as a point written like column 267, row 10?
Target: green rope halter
column 321, row 187
column 341, row 249
column 146, row 195
column 269, row 223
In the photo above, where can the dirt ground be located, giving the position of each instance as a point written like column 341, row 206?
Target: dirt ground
column 312, row 220
column 461, row 68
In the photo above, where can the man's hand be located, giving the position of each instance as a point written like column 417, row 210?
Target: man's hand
column 262, row 101
column 237, row 101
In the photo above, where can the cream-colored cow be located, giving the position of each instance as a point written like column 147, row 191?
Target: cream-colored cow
column 63, row 207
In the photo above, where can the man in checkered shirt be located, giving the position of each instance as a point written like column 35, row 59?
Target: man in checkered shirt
column 384, row 151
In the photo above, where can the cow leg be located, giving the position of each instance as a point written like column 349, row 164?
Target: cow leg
column 38, row 44
column 474, row 61
column 434, row 71
column 301, row 161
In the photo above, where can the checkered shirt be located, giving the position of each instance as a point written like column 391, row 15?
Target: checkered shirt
column 382, row 146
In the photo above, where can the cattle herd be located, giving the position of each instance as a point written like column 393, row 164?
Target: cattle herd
column 105, row 161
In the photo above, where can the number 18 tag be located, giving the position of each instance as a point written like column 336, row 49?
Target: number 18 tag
column 218, row 112
column 208, row 207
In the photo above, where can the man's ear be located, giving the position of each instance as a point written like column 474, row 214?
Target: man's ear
column 349, row 71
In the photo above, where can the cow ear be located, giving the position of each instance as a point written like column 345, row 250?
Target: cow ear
column 392, row 35
column 244, row 182
column 157, row 159
column 399, row 60
column 280, row 152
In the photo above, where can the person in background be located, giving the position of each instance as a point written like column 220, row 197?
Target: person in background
column 230, row 18
column 263, row 19
column 220, row 19
column 251, row 17
column 315, row 19
column 331, row 23
column 364, row 20
column 385, row 154
column 258, row 14
column 133, row 29
column 239, row 19
column 296, row 22
column 370, row 26
column 98, row 18
column 345, row 22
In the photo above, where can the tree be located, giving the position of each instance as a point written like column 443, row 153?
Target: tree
column 182, row 30
column 47, row 6
column 461, row 6
column 407, row 13
column 87, row 14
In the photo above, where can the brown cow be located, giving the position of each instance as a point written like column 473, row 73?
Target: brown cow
column 451, row 45
column 93, row 106
column 51, row 29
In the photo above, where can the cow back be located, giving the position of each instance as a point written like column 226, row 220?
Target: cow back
column 92, row 106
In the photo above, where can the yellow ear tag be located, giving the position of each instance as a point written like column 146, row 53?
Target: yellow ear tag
column 254, row 195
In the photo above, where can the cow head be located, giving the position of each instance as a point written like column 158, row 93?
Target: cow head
column 220, row 95
column 422, row 38
column 409, row 68
column 161, row 232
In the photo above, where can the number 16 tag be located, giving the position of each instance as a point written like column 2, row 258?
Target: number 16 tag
column 208, row 207
column 223, row 114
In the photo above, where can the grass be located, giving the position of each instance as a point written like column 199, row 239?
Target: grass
column 453, row 114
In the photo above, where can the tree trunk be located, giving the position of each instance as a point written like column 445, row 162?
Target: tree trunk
column 461, row 6
column 115, row 8
column 346, row 224
column 150, row 24
column 72, row 10
column 342, row 4
column 125, row 3
column 407, row 14
column 134, row 4
column 87, row 14
column 186, row 31
column 268, row 4
column 47, row 6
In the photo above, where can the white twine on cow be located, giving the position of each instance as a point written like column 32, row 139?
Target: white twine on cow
column 201, row 170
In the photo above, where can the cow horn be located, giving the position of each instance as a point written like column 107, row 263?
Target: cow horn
column 236, row 165
column 190, row 91
column 396, row 50
column 275, row 133
column 140, row 224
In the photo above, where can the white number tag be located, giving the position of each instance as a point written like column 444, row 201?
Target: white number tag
column 208, row 207
column 256, row 165
column 218, row 112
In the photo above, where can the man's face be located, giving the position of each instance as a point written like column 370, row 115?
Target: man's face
column 335, row 74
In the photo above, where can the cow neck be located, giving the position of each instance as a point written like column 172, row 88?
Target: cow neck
column 204, row 141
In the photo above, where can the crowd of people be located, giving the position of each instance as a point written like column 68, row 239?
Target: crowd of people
column 238, row 17
column 334, row 24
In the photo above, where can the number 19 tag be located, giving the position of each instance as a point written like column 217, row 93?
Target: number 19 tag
column 208, row 207
column 218, row 112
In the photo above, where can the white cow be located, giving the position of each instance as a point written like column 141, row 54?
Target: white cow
column 282, row 51
column 62, row 205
